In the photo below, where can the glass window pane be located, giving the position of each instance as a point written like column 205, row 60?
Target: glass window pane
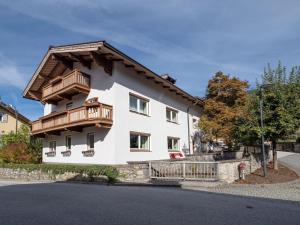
column 134, row 141
column 68, row 142
column 69, row 105
column 168, row 114
column 52, row 146
column 143, row 107
column 133, row 102
column 175, row 144
column 144, row 142
column 90, row 141
column 174, row 116
column 170, row 145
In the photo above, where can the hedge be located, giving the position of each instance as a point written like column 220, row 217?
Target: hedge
column 91, row 170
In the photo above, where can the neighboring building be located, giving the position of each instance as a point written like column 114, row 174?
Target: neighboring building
column 10, row 120
column 102, row 107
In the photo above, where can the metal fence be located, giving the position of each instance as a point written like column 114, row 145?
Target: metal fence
column 183, row 170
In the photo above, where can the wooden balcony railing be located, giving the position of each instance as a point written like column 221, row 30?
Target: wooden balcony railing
column 100, row 114
column 63, row 87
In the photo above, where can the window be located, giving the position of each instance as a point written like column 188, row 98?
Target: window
column 69, row 105
column 68, row 143
column 52, row 146
column 139, row 141
column 3, row 118
column 90, row 141
column 172, row 115
column 173, row 144
column 139, row 105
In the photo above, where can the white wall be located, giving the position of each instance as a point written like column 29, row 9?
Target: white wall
column 113, row 145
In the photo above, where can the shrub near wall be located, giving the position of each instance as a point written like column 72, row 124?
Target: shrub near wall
column 90, row 171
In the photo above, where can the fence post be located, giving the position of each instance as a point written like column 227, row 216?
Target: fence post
column 183, row 170
column 150, row 169
column 217, row 171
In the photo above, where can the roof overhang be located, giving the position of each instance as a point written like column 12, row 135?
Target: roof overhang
column 60, row 58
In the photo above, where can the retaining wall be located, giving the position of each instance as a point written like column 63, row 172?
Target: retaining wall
column 21, row 174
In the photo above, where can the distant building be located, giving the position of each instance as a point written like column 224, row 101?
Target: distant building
column 10, row 120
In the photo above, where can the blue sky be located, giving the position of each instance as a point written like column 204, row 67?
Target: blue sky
column 189, row 39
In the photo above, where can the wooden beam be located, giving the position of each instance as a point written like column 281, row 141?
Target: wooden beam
column 45, row 78
column 80, row 59
column 129, row 66
column 67, row 63
column 75, row 129
column 56, row 133
column 102, row 61
column 64, row 96
column 117, row 59
column 35, row 94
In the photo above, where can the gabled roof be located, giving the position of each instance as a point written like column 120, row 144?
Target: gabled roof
column 12, row 112
column 59, row 59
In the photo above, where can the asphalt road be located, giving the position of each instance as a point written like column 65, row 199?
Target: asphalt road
column 76, row 204
column 290, row 159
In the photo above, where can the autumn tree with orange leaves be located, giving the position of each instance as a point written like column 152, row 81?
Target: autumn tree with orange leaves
column 224, row 104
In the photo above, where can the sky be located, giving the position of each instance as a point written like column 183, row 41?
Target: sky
column 191, row 40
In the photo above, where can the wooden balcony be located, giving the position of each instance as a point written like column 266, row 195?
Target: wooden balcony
column 96, row 114
column 64, row 87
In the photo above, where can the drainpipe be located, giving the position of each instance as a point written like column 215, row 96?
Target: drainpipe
column 188, row 123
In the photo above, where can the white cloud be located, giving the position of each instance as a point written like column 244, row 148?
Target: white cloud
column 10, row 74
column 200, row 32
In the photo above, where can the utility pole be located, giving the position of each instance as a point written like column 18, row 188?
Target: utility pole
column 262, row 132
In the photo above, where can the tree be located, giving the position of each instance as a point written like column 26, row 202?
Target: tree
column 223, row 106
column 281, row 108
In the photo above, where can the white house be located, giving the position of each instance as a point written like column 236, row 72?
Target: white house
column 103, row 107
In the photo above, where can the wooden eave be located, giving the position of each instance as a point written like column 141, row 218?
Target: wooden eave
column 57, row 61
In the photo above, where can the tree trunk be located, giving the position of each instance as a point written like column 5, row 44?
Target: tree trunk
column 275, row 160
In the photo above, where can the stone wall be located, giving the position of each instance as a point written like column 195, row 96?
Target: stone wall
column 35, row 175
column 134, row 172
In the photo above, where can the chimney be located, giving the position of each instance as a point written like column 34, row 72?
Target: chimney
column 168, row 78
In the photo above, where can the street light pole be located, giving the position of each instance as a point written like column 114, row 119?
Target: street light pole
column 16, row 117
column 262, row 132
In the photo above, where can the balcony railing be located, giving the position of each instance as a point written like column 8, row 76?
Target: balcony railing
column 100, row 114
column 63, row 87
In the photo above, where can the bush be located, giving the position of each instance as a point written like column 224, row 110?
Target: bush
column 17, row 153
column 91, row 170
column 298, row 140
column 20, row 147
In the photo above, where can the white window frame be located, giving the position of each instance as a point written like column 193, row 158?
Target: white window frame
column 172, row 112
column 52, row 148
column 67, row 143
column 140, row 135
column 139, row 100
column 88, row 141
column 173, row 139
column 4, row 117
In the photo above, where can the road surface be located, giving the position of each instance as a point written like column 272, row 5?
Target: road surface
column 290, row 159
column 86, row 204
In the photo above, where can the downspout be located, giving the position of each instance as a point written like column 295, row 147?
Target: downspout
column 188, row 123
